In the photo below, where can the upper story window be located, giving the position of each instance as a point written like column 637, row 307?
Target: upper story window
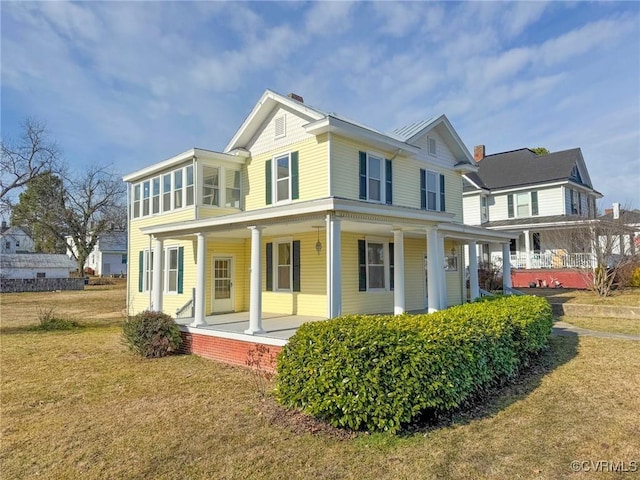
column 432, row 191
column 484, row 208
column 575, row 201
column 280, row 126
column 281, row 178
column 211, row 186
column 232, row 198
column 375, row 178
column 575, row 174
column 166, row 192
column 432, row 146
column 520, row 205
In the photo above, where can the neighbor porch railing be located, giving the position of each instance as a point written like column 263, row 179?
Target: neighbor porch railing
column 552, row 260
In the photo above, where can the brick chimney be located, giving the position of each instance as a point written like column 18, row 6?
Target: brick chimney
column 478, row 152
column 296, row 97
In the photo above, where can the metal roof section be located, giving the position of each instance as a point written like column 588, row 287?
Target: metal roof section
column 409, row 131
column 36, row 260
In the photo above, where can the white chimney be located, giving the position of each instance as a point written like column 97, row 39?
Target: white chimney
column 616, row 211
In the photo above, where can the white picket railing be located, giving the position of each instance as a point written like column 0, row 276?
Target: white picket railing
column 552, row 260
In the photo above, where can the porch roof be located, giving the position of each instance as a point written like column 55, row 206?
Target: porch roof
column 307, row 214
column 546, row 222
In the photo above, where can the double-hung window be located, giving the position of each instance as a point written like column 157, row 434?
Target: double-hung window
column 281, row 178
column 484, row 209
column 136, row 201
column 522, row 205
column 189, row 185
column 432, row 191
column 211, row 186
column 166, row 192
column 171, row 262
column 146, row 193
column 283, row 266
column 375, row 178
column 177, row 189
column 145, row 271
column 155, row 196
column 232, row 197
column 376, row 265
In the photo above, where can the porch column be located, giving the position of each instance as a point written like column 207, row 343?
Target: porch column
column 398, row 272
column 156, row 299
column 474, row 287
column 442, row 273
column 506, row 268
column 433, row 279
column 334, row 267
column 255, row 299
column 527, row 247
column 201, row 265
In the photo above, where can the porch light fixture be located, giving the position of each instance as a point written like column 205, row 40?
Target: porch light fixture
column 453, row 251
column 318, row 243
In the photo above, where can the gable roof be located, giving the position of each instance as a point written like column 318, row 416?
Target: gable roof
column 321, row 121
column 519, row 168
column 36, row 260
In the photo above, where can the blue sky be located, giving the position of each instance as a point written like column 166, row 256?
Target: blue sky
column 132, row 83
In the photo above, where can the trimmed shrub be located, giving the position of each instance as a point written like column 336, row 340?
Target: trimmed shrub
column 382, row 372
column 151, row 334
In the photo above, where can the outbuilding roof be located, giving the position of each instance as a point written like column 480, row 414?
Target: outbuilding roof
column 36, row 260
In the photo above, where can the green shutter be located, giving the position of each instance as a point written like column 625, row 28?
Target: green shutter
column 141, row 271
column 442, row 194
column 269, row 269
column 391, row 266
column 362, row 266
column 510, row 206
column 181, row 268
column 268, row 181
column 294, row 176
column 423, row 189
column 363, row 176
column 296, row 265
column 388, row 182
column 534, row 203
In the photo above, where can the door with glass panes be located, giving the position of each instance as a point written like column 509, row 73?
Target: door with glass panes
column 222, row 295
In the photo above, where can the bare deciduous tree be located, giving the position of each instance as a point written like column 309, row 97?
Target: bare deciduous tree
column 24, row 159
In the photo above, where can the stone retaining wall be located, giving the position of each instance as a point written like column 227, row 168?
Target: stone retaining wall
column 603, row 311
column 15, row 285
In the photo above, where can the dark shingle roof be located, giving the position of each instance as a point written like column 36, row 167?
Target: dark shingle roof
column 629, row 217
column 523, row 167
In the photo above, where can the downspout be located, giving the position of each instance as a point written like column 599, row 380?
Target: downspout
column 329, row 163
column 196, row 203
column 128, row 248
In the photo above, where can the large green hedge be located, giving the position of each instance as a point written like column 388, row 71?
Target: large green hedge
column 381, row 372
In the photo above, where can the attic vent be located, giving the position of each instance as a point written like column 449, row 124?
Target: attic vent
column 296, row 97
column 280, row 126
column 432, row 145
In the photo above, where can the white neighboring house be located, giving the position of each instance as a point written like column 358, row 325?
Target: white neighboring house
column 628, row 243
column 109, row 255
column 36, row 265
column 15, row 239
column 536, row 196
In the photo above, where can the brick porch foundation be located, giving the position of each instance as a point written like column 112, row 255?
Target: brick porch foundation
column 231, row 351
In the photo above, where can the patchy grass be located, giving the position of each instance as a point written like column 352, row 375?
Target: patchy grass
column 613, row 325
column 629, row 296
column 76, row 404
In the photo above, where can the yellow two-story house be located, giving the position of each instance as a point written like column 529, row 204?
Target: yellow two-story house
column 304, row 213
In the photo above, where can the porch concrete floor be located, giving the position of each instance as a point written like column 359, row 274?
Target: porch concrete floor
column 275, row 325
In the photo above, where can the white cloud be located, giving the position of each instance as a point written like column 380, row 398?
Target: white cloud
column 519, row 15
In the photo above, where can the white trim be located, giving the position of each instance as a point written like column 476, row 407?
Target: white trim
column 249, row 338
column 276, row 264
column 274, row 178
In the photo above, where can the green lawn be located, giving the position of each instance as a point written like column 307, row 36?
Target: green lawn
column 76, row 404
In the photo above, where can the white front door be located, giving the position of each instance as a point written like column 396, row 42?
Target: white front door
column 222, row 298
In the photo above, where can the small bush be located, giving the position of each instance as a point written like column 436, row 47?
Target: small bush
column 635, row 278
column 151, row 334
column 382, row 372
column 49, row 320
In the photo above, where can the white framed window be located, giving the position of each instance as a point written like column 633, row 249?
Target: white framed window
column 522, row 205
column 282, row 165
column 284, row 272
column 432, row 190
column 432, row 146
column 166, row 192
column 232, row 194
column 155, row 195
column 280, row 126
column 211, row 186
column 189, row 185
column 171, row 271
column 375, row 180
column 484, row 208
column 147, row 269
column 146, row 193
column 136, row 201
column 376, row 278
column 177, row 189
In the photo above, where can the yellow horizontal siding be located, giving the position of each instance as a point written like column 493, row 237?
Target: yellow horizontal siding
column 454, row 278
column 312, row 299
column 312, row 173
